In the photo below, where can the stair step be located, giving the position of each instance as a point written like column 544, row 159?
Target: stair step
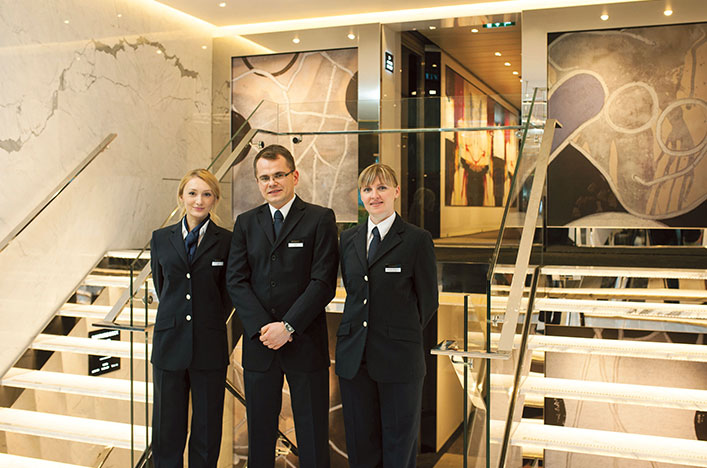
column 623, row 272
column 78, row 345
column 128, row 254
column 107, row 281
column 625, row 309
column 655, row 294
column 99, row 312
column 607, row 392
column 604, row 443
column 99, row 387
column 15, row 461
column 90, row 431
column 625, row 348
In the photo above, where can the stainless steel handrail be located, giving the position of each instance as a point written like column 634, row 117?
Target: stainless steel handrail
column 41, row 206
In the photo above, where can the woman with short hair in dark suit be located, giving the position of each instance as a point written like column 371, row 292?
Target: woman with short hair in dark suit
column 189, row 347
column 390, row 274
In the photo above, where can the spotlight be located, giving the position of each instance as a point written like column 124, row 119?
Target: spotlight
column 297, row 139
column 668, row 12
column 604, row 17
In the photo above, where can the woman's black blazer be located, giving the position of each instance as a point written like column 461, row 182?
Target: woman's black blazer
column 388, row 303
column 190, row 329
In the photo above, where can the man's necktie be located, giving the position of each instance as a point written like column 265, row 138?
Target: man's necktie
column 375, row 242
column 277, row 222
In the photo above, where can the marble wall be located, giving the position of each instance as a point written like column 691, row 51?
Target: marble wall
column 74, row 71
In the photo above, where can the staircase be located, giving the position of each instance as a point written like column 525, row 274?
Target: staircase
column 55, row 413
column 619, row 374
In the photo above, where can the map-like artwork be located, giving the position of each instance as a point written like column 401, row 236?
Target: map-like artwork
column 633, row 108
column 303, row 92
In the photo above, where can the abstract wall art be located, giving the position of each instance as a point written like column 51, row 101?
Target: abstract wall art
column 633, row 108
column 300, row 92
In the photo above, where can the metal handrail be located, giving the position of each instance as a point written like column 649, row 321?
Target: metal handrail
column 12, row 235
column 522, row 350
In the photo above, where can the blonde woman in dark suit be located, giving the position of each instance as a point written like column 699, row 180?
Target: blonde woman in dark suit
column 189, row 347
column 390, row 274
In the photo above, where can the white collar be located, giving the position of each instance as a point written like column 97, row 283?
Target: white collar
column 202, row 231
column 383, row 226
column 284, row 210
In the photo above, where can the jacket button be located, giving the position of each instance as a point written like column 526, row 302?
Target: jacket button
column 188, row 275
column 365, row 277
column 188, row 317
column 273, row 258
column 188, row 297
column 365, row 301
column 272, row 284
column 365, row 324
column 272, row 310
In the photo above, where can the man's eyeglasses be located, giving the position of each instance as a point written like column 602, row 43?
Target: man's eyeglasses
column 277, row 177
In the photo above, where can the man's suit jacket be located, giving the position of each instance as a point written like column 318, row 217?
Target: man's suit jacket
column 291, row 278
column 190, row 329
column 387, row 303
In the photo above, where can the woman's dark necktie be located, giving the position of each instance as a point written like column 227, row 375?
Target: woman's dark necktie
column 192, row 239
column 375, row 242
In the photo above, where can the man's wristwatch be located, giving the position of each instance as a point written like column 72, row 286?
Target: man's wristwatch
column 288, row 327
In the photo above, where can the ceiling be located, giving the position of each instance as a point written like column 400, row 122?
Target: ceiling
column 453, row 21
column 240, row 12
column 476, row 52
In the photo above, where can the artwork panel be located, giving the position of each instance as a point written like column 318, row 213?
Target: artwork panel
column 634, row 102
column 306, row 91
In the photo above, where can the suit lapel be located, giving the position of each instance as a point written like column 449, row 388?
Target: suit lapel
column 265, row 221
column 391, row 239
column 359, row 239
column 209, row 240
column 296, row 213
column 178, row 242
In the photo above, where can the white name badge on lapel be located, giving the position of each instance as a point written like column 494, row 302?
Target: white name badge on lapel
column 393, row 269
column 216, row 263
column 295, row 244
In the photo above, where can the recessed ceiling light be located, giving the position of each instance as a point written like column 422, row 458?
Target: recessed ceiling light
column 66, row 21
column 351, row 36
column 515, row 72
column 120, row 15
column 520, row 79
column 497, row 54
column 433, row 27
column 159, row 51
column 222, row 4
column 604, row 17
column 668, row 12
column 203, row 47
column 434, row 65
column 508, row 64
column 295, row 40
column 474, row 30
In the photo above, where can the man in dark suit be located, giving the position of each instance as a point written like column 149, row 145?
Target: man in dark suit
column 281, row 275
column 389, row 271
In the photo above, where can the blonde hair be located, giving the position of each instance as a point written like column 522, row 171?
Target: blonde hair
column 383, row 172
column 204, row 175
column 207, row 177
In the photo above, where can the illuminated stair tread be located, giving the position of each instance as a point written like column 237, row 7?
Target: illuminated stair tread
column 15, row 461
column 98, row 312
column 604, row 443
column 622, row 272
column 128, row 254
column 91, row 431
column 665, row 397
column 100, row 387
column 78, row 345
column 107, row 281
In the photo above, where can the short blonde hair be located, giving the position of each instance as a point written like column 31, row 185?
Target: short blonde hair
column 385, row 173
column 204, row 175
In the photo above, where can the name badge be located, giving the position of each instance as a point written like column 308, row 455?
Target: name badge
column 216, row 263
column 393, row 269
column 295, row 244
